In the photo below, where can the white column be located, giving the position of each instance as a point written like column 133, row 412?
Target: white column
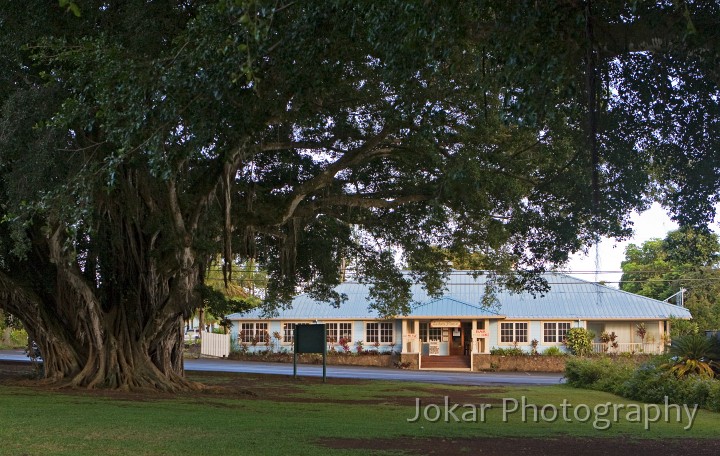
column 404, row 336
column 473, row 340
column 417, row 345
column 486, row 344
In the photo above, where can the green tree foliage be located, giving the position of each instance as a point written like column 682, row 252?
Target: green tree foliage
column 687, row 258
column 680, row 327
column 241, row 292
column 139, row 139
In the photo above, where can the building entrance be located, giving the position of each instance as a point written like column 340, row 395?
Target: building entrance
column 460, row 339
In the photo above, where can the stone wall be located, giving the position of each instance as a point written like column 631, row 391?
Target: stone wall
column 332, row 360
column 519, row 363
column 410, row 361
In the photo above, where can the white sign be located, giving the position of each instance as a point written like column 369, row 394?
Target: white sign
column 481, row 333
column 434, row 348
column 411, row 336
column 445, row 324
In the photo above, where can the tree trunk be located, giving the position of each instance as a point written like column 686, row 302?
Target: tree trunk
column 124, row 332
column 106, row 306
column 106, row 350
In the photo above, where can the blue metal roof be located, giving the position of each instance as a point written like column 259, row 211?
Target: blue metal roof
column 447, row 306
column 568, row 298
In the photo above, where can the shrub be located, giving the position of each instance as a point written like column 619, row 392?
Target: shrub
column 641, row 331
column 603, row 374
column 514, row 351
column 695, row 355
column 18, row 338
column 579, row 341
column 345, row 344
column 610, row 340
column 679, row 327
column 713, row 399
column 13, row 338
column 553, row 351
column 650, row 382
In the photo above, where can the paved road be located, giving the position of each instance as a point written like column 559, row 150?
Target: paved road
column 365, row 373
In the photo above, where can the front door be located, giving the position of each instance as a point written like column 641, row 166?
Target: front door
column 457, row 341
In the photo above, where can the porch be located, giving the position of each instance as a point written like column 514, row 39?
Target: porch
column 630, row 347
column 444, row 344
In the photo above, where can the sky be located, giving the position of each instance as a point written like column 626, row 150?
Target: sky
column 653, row 223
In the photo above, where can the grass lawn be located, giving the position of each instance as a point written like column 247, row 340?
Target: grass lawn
column 252, row 414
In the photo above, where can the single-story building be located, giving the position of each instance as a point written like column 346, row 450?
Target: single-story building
column 458, row 325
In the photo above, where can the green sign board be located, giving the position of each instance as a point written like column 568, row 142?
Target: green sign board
column 310, row 339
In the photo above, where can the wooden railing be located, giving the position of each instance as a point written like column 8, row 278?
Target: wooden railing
column 628, row 347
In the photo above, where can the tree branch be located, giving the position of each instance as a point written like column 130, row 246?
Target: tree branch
column 368, row 201
column 350, row 158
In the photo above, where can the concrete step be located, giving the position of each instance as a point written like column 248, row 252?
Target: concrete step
column 445, row 362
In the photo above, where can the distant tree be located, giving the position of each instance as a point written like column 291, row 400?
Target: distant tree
column 687, row 258
column 647, row 271
column 224, row 293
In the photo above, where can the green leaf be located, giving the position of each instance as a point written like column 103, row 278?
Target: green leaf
column 71, row 6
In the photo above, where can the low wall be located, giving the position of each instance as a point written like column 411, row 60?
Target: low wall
column 410, row 361
column 332, row 360
column 519, row 363
column 538, row 363
column 481, row 362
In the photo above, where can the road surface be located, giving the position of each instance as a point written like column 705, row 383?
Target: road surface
column 358, row 372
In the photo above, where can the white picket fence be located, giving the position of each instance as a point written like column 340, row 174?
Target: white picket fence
column 215, row 344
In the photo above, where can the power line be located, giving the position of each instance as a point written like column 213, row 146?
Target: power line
column 266, row 279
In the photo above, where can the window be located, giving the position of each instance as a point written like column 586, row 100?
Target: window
column 513, row 332
column 555, row 332
column 427, row 334
column 379, row 332
column 289, row 333
column 250, row 331
column 337, row 331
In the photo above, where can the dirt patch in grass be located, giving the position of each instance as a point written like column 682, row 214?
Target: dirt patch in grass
column 279, row 388
column 434, row 395
column 220, row 386
column 561, row 446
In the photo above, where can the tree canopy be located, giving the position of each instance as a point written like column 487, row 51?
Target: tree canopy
column 686, row 259
column 139, row 139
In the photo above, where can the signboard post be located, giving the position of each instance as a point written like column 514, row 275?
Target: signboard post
column 310, row 339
